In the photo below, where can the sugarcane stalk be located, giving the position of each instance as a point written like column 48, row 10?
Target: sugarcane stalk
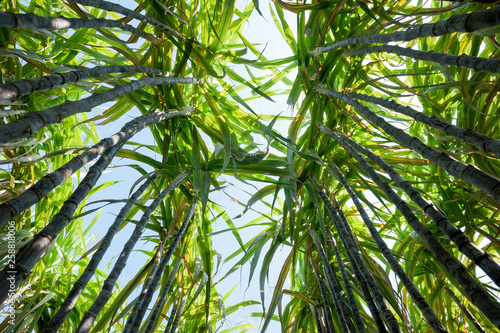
column 32, row 21
column 109, row 284
column 350, row 295
column 475, row 292
column 161, row 299
column 457, row 23
column 29, row 254
column 178, row 315
column 142, row 308
column 475, row 63
column 33, row 121
column 333, row 286
column 47, row 183
column 70, row 301
column 418, row 299
column 114, row 7
column 342, row 226
column 326, row 303
column 467, row 172
column 16, row 89
column 172, row 317
column 151, row 274
column 463, row 243
column 479, row 140
column 464, row 309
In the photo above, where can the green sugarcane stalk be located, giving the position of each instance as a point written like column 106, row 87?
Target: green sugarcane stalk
column 326, row 303
column 30, row 123
column 350, row 295
column 161, row 299
column 475, row 292
column 467, row 172
column 16, row 89
column 109, row 284
column 113, row 7
column 47, row 183
column 352, row 247
column 463, row 243
column 479, row 140
column 70, row 301
column 32, row 21
column 457, row 23
column 333, row 285
column 30, row 254
column 142, row 308
column 475, row 63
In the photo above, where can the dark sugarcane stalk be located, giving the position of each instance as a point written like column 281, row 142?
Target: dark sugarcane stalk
column 89, row 271
column 142, row 308
column 417, row 298
column 47, row 183
column 326, row 303
column 178, row 315
column 479, row 140
column 32, row 21
column 352, row 248
column 114, row 7
column 475, row 292
column 161, row 299
column 30, row 254
column 464, row 309
column 457, row 23
column 350, row 295
column 171, row 319
column 150, row 277
column 333, row 286
column 14, row 90
column 109, row 283
column 467, row 172
column 463, row 243
column 30, row 123
column 475, row 63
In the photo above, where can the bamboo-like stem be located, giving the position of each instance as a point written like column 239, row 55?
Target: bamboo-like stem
column 134, row 327
column 150, row 277
column 89, row 271
column 464, row 309
column 178, row 315
column 33, row 121
column 109, row 283
column 475, row 292
column 479, row 140
column 32, row 21
column 47, row 183
column 418, row 299
column 326, row 304
column 463, row 243
column 172, row 315
column 14, row 90
column 333, row 285
column 350, row 295
column 352, row 248
column 475, row 63
column 161, row 299
column 457, row 23
column 29, row 254
column 467, row 172
column 113, row 7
